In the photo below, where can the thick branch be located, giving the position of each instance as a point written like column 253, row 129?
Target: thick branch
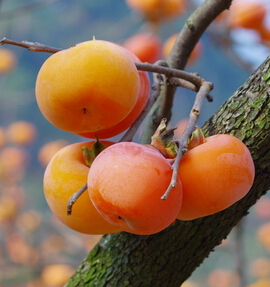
column 194, row 27
column 169, row 257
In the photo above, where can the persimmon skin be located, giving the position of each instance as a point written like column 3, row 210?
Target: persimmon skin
column 158, row 10
column 135, row 112
column 146, row 46
column 126, row 182
column 21, row 132
column 246, row 14
column 8, row 61
column 65, row 174
column 214, row 176
column 94, row 82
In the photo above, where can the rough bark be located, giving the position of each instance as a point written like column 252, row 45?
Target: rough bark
column 169, row 257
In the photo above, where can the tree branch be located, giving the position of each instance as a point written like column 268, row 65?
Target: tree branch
column 194, row 27
column 168, row 258
column 204, row 90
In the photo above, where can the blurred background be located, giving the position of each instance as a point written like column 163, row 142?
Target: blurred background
column 35, row 248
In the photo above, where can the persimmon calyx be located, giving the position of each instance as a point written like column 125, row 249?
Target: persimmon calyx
column 197, row 138
column 90, row 154
column 163, row 140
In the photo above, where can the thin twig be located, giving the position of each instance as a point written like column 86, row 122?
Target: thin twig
column 158, row 68
column 74, row 198
column 128, row 136
column 169, row 72
column 31, row 46
column 204, row 90
column 154, row 68
column 185, row 84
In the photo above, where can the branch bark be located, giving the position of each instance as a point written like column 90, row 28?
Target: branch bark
column 169, row 257
column 190, row 34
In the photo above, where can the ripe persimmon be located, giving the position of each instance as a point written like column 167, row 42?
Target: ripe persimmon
column 126, row 182
column 88, row 87
column 263, row 235
column 180, row 127
column 7, row 61
column 194, row 55
column 158, row 10
column 134, row 114
column 21, row 132
column 54, row 275
column 65, row 174
column 214, row 175
column 146, row 46
column 246, row 14
column 2, row 136
column 49, row 149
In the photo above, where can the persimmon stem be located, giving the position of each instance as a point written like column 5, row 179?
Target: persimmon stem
column 182, row 141
column 74, row 198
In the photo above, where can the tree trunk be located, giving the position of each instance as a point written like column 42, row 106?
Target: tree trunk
column 169, row 257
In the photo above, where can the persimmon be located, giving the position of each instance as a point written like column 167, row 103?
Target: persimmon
column 158, row 10
column 54, row 275
column 214, row 175
column 2, row 136
column 262, row 208
column 13, row 162
column 135, row 112
column 194, row 55
column 246, row 14
column 94, row 82
column 262, row 282
column 264, row 33
column 223, row 278
column 49, row 149
column 7, row 61
column 8, row 209
column 263, row 235
column 21, row 132
column 181, row 125
column 126, row 182
column 65, row 174
column 146, row 46
column 260, row 267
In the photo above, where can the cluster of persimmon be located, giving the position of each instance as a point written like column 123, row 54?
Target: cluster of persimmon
column 95, row 90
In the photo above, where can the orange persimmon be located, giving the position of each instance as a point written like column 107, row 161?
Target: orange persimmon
column 246, row 14
column 65, row 174
column 146, row 46
column 126, row 182
column 134, row 114
column 7, row 60
column 214, row 175
column 158, row 10
column 21, row 132
column 88, row 87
